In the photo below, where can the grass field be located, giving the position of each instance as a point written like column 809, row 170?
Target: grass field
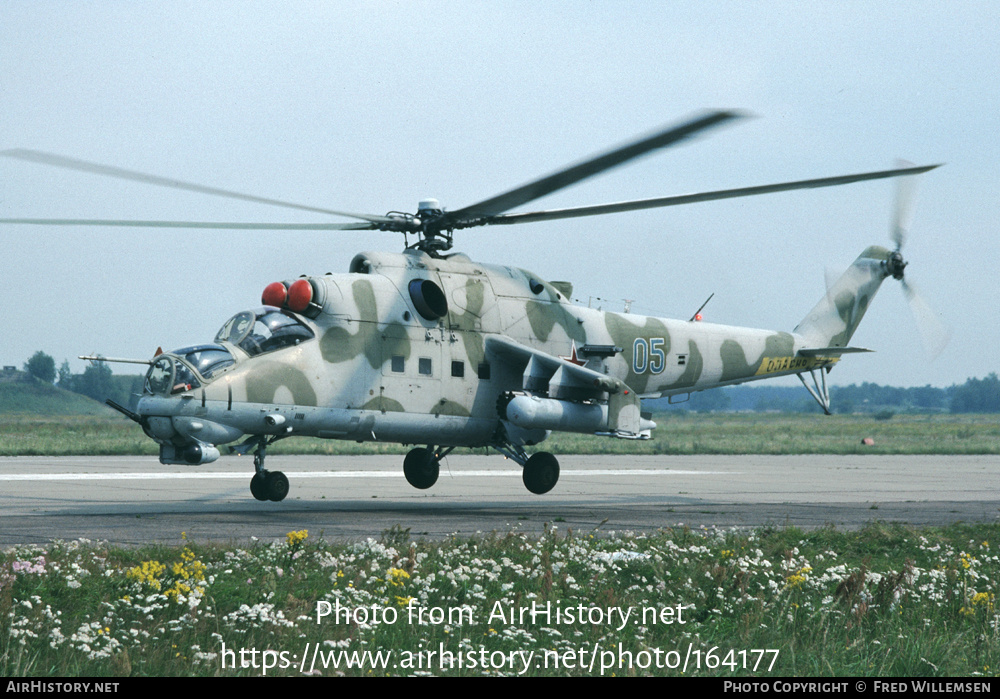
column 885, row 601
column 677, row 433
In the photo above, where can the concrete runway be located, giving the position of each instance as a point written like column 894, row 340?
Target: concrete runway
column 136, row 500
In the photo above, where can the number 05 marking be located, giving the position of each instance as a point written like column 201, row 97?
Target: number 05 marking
column 648, row 355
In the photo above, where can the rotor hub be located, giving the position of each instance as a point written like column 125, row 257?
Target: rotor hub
column 428, row 208
column 433, row 227
column 895, row 264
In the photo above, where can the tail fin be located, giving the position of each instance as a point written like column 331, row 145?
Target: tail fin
column 833, row 320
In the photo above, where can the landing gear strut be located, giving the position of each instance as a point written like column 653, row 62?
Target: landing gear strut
column 422, row 465
column 265, row 485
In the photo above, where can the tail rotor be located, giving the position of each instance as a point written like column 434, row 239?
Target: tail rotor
column 934, row 333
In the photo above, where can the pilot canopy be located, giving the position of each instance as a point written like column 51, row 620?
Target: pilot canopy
column 263, row 330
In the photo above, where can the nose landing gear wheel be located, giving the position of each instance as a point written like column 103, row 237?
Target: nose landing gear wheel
column 421, row 468
column 541, row 472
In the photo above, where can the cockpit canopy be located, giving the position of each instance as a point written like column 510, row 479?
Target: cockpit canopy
column 266, row 329
column 263, row 330
column 172, row 373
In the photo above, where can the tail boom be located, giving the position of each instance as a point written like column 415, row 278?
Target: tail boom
column 834, row 319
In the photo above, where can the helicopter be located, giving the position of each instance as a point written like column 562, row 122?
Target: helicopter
column 430, row 349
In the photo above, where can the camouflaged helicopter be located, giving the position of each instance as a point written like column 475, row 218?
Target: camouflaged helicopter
column 427, row 347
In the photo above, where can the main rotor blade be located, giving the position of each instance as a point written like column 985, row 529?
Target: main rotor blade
column 193, row 224
column 575, row 173
column 618, row 207
column 34, row 156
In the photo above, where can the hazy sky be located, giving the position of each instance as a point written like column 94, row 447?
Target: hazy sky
column 371, row 106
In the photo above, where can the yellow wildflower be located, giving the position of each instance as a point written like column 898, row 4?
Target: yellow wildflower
column 147, row 573
column 296, row 538
column 396, row 576
column 796, row 580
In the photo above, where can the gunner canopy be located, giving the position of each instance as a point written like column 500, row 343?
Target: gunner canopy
column 186, row 368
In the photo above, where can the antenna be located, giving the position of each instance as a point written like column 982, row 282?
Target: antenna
column 697, row 314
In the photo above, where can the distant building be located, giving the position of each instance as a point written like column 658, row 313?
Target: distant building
column 11, row 374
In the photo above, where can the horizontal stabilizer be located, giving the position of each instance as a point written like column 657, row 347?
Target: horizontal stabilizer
column 830, row 351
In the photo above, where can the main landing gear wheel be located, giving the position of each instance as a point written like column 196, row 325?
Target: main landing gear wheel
column 257, row 487
column 267, row 485
column 541, row 472
column 421, row 468
column 276, row 484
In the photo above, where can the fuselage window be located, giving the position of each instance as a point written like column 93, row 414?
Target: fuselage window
column 424, row 366
column 398, row 364
column 484, row 371
column 458, row 369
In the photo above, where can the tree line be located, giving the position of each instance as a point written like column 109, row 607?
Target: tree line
column 97, row 381
column 973, row 396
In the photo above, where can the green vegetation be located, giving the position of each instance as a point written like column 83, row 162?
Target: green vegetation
column 97, row 383
column 86, row 435
column 886, row 601
column 785, row 433
column 42, row 367
column 43, row 400
column 977, row 396
column 677, row 433
column 973, row 396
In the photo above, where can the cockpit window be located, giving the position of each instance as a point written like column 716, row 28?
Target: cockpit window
column 265, row 330
column 207, row 360
column 236, row 328
column 184, row 379
column 167, row 375
column 159, row 375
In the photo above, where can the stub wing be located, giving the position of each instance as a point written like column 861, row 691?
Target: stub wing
column 545, row 373
column 566, row 396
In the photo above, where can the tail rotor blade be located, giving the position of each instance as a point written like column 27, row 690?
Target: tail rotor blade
column 934, row 333
column 903, row 215
column 830, row 277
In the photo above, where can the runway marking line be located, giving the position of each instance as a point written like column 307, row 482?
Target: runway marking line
column 231, row 475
